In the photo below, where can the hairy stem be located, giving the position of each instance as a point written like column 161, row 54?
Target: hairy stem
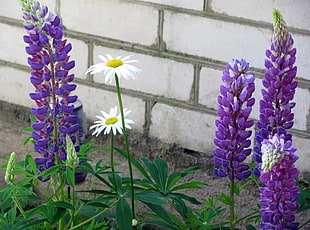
column 112, row 160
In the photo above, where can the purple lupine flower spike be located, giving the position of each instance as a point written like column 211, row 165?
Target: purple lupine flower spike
column 276, row 115
column 232, row 137
column 50, row 61
column 278, row 198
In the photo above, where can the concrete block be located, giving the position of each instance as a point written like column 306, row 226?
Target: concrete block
column 12, row 46
column 209, row 87
column 295, row 12
column 302, row 108
column 303, row 146
column 220, row 40
column 15, row 86
column 111, row 18
column 302, row 44
column 190, row 129
column 159, row 76
column 79, row 54
column 193, row 4
column 95, row 99
column 12, row 9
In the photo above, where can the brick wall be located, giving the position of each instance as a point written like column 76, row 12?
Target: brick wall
column 182, row 45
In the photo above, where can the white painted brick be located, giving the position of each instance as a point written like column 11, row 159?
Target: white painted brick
column 15, row 86
column 79, row 54
column 215, row 39
column 192, row 4
column 159, row 76
column 94, row 100
column 303, row 146
column 294, row 12
column 12, row 46
column 301, row 110
column 111, row 18
column 190, row 129
column 209, row 87
column 302, row 44
column 258, row 96
column 12, row 49
column 12, row 9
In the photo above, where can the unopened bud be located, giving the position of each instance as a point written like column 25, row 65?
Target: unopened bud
column 134, row 222
column 72, row 158
column 10, row 178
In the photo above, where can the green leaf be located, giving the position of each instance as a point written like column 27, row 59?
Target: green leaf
column 163, row 171
column 152, row 197
column 97, row 191
column 29, row 130
column 70, row 177
column 188, row 198
column 225, row 199
column 27, row 140
column 191, row 170
column 189, row 185
column 90, row 170
column 62, row 204
column 23, row 193
column 33, row 118
column 151, row 168
column 51, row 171
column 30, row 161
column 160, row 211
column 173, row 179
column 87, row 167
column 250, row 227
column 135, row 163
column 160, row 223
column 12, row 214
column 123, row 214
column 59, row 214
column 21, row 172
column 24, row 181
column 179, row 204
column 96, row 203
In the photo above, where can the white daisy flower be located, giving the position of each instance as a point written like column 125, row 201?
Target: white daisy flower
column 111, row 121
column 111, row 66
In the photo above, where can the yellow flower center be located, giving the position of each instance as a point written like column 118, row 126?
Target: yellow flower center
column 111, row 121
column 115, row 63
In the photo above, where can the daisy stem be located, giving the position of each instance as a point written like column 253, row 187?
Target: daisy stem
column 112, row 159
column 127, row 145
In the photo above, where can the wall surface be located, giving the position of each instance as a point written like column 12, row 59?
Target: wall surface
column 182, row 45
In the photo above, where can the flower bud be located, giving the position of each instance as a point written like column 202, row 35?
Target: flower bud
column 134, row 222
column 72, row 158
column 10, row 178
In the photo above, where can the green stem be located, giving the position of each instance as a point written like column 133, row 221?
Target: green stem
column 55, row 131
column 73, row 202
column 18, row 204
column 127, row 146
column 232, row 205
column 93, row 217
column 112, row 160
column 246, row 216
